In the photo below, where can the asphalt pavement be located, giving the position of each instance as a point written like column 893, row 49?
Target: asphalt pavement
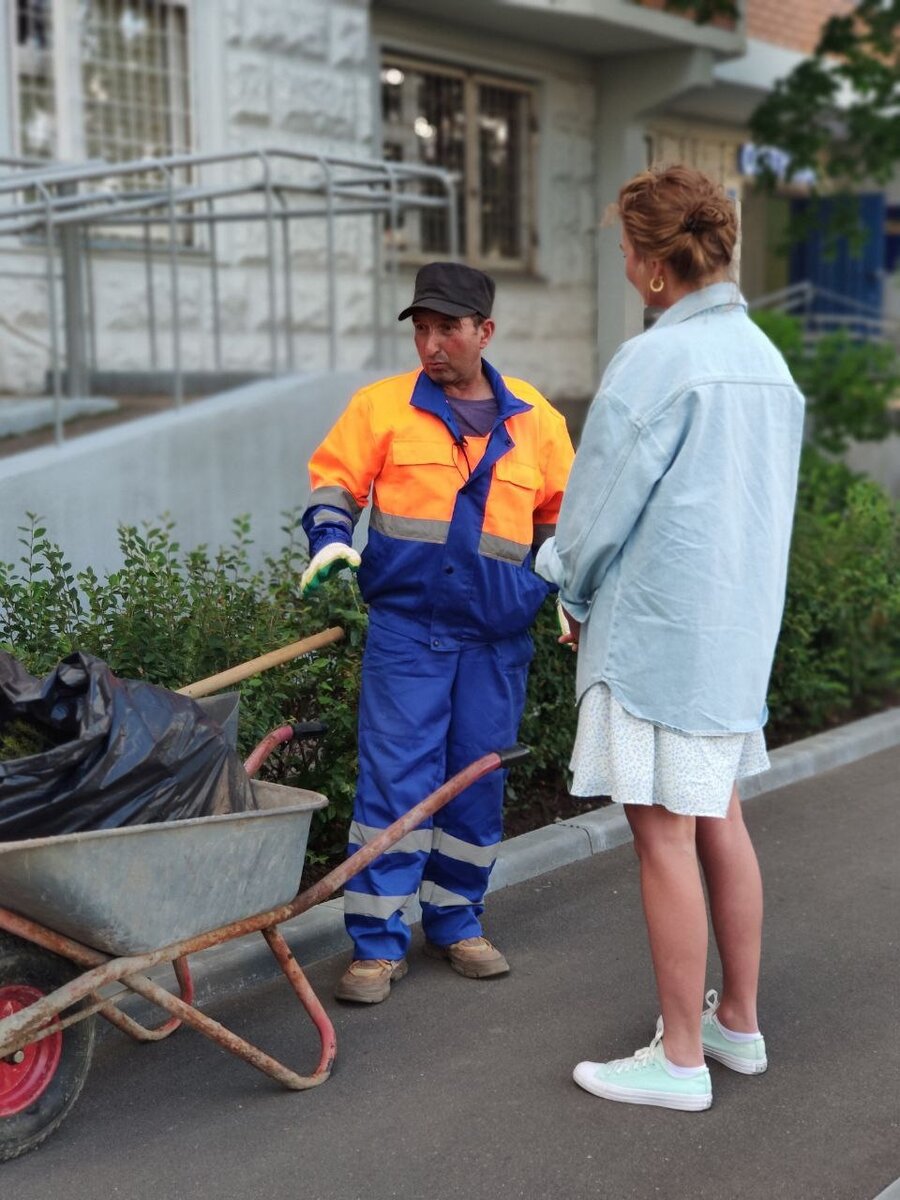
column 459, row 1088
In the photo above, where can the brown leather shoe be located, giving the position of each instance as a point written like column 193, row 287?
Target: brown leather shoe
column 473, row 957
column 368, row 980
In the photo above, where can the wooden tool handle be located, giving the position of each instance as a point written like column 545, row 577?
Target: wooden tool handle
column 255, row 666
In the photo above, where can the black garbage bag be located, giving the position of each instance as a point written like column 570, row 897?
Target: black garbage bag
column 120, row 752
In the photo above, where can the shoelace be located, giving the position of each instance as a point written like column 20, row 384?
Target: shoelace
column 641, row 1058
column 369, row 965
column 712, row 1006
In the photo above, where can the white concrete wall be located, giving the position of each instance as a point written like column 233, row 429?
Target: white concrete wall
column 302, row 74
column 879, row 460
column 632, row 92
column 24, row 323
column 294, row 75
column 241, row 452
column 545, row 320
column 298, row 76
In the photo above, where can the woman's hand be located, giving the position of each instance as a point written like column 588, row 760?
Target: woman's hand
column 569, row 627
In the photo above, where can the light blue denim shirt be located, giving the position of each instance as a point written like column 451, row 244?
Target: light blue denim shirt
column 672, row 543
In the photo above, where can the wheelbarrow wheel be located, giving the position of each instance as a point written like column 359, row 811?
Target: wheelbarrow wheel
column 40, row 1084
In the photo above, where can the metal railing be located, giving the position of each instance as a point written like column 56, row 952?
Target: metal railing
column 171, row 211
column 823, row 311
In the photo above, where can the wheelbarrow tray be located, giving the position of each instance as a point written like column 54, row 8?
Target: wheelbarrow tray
column 135, row 889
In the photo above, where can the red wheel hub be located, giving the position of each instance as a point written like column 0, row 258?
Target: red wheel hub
column 21, row 1083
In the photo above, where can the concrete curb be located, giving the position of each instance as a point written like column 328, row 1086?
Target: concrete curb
column 24, row 416
column 235, row 966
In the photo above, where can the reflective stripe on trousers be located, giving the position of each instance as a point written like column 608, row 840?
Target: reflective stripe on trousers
column 425, row 714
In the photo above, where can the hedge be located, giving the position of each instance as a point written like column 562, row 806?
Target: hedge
column 172, row 616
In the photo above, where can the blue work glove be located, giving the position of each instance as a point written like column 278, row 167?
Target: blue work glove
column 328, row 561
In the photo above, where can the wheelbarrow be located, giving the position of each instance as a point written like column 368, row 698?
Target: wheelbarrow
column 95, row 909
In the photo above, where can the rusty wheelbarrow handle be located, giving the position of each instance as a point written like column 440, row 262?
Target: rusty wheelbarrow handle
column 254, row 666
column 411, row 820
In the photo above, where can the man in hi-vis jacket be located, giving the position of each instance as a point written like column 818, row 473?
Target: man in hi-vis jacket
column 466, row 470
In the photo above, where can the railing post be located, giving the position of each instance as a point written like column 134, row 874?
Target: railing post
column 452, row 223
column 52, row 315
column 89, row 300
column 377, row 269
column 392, row 262
column 151, row 298
column 332, row 281
column 214, row 286
column 177, row 375
column 73, row 295
column 270, row 262
column 286, row 273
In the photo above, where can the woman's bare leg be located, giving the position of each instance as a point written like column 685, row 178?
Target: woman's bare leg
column 675, row 909
column 734, row 885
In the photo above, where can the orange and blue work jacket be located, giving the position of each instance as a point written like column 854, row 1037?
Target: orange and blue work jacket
column 455, row 520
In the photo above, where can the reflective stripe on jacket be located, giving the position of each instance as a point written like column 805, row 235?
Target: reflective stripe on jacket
column 455, row 521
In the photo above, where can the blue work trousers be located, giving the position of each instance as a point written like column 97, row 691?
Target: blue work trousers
column 424, row 715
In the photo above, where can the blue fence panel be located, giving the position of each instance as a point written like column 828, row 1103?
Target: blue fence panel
column 852, row 270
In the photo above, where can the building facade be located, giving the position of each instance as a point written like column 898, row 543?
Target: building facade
column 539, row 109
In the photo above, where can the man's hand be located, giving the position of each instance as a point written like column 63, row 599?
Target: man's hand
column 330, row 559
column 570, row 629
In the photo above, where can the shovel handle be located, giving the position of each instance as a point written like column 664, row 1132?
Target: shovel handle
column 254, row 666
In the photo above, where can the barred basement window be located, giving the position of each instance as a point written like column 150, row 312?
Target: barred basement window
column 481, row 129
column 102, row 78
column 36, row 124
column 134, row 78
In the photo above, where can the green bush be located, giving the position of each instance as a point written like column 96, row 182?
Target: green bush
column 172, row 616
column 847, row 382
column 550, row 717
column 839, row 650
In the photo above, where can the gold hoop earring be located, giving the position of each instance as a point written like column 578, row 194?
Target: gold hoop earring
column 657, row 285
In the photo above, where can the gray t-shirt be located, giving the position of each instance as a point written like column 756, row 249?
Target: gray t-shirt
column 475, row 418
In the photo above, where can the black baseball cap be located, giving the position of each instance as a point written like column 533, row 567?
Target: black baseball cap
column 453, row 289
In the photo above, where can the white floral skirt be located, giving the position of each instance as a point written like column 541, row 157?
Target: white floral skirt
column 636, row 762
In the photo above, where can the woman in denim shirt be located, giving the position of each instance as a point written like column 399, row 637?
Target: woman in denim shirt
column 671, row 558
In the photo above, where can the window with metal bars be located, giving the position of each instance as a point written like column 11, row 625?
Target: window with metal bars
column 102, row 78
column 36, row 91
column 479, row 128
column 134, row 70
